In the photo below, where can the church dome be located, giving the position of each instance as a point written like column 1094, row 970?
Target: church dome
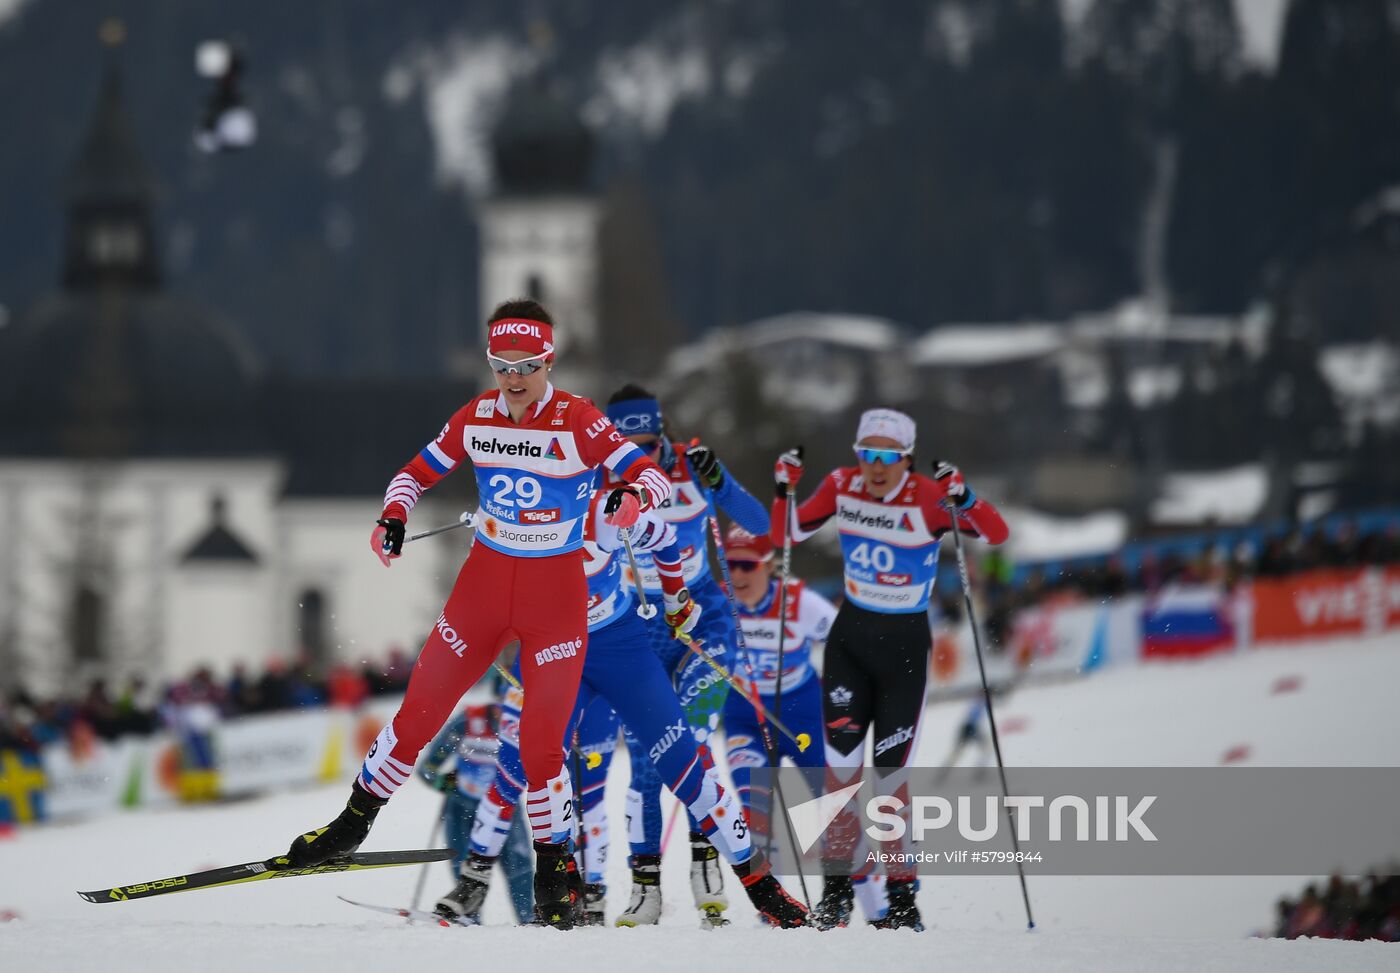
column 113, row 374
column 540, row 145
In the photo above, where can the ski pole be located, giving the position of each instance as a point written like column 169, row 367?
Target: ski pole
column 645, row 610
column 582, row 860
column 423, row 872
column 991, row 716
column 802, row 740
column 592, row 760
column 466, row 520
column 508, row 676
column 750, row 692
column 782, row 594
column 770, row 746
column 670, row 825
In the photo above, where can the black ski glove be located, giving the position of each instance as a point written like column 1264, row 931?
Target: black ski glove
column 703, row 461
column 392, row 541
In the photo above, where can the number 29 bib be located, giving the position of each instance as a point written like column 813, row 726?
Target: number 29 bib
column 534, row 489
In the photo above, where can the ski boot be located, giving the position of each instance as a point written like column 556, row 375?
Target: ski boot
column 464, row 902
column 574, row 878
column 554, row 899
column 836, row 905
column 904, row 913
column 645, row 907
column 768, row 896
column 870, row 896
column 594, row 896
column 707, row 882
column 342, row 836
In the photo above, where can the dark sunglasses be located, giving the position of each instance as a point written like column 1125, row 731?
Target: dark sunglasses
column 743, row 565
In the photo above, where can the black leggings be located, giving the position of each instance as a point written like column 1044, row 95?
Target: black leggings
column 874, row 676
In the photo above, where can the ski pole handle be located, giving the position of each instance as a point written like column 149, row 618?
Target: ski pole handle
column 791, row 493
column 466, row 520
column 644, row 609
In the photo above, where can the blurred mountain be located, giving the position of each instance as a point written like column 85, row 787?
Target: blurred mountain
column 963, row 160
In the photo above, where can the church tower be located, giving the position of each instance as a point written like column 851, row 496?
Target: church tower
column 539, row 229
column 110, row 239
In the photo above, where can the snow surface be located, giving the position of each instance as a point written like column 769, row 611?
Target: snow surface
column 1117, row 717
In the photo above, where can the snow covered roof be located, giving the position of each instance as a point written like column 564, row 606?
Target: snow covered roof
column 855, row 332
column 1384, row 203
column 987, row 344
column 1229, row 496
column 1360, row 371
column 970, row 345
column 1037, row 536
column 1365, row 378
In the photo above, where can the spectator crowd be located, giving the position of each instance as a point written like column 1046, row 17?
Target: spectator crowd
column 1344, row 909
column 1226, row 559
column 27, row 722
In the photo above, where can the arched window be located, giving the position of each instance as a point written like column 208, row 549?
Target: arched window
column 311, row 625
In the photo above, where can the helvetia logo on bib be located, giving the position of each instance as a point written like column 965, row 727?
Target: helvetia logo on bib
column 905, row 523
column 495, row 447
column 554, row 450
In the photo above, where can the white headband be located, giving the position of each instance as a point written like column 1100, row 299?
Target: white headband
column 886, row 423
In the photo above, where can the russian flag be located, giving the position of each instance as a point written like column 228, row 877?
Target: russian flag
column 1186, row 621
column 437, row 460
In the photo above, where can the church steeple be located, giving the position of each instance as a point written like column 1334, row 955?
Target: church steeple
column 111, row 232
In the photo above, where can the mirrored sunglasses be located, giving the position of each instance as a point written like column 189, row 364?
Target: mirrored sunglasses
column 887, row 456
column 526, row 366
